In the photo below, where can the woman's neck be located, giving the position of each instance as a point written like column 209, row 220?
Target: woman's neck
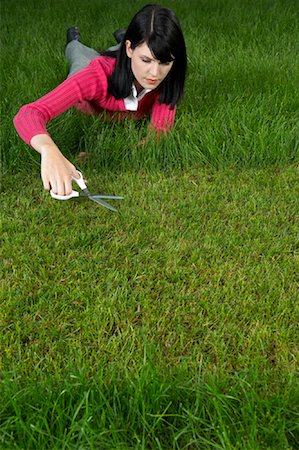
column 138, row 87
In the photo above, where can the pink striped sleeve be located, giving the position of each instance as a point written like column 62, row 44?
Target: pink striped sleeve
column 162, row 117
column 90, row 83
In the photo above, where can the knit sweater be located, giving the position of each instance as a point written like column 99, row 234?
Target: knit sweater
column 87, row 90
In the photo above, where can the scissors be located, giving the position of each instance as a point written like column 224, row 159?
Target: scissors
column 86, row 194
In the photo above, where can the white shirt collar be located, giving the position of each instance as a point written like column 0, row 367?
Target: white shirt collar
column 131, row 102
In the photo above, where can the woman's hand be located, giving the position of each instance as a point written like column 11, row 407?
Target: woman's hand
column 56, row 170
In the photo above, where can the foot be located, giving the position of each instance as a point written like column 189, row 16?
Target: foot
column 72, row 34
column 119, row 35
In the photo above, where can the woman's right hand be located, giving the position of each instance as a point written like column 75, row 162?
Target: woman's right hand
column 56, row 170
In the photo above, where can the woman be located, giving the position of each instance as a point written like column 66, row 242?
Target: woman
column 145, row 75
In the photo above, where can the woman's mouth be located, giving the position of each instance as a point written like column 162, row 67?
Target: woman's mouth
column 151, row 81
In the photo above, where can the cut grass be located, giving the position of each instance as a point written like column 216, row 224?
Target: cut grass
column 191, row 288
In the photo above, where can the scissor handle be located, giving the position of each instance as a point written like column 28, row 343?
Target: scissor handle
column 64, row 197
column 80, row 182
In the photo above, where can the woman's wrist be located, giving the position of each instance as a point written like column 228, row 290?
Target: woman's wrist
column 48, row 148
column 42, row 143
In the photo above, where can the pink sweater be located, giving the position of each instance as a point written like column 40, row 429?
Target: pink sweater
column 87, row 90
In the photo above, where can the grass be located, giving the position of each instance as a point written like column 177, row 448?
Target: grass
column 172, row 324
column 148, row 410
column 197, row 298
column 241, row 100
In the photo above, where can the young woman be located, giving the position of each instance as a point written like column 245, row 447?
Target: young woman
column 145, row 75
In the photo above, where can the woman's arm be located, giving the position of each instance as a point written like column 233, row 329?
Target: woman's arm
column 31, row 121
column 32, row 118
column 162, row 117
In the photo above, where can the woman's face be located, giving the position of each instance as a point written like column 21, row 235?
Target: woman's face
column 147, row 70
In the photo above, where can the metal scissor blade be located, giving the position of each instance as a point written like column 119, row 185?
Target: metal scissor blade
column 114, row 197
column 101, row 202
column 83, row 194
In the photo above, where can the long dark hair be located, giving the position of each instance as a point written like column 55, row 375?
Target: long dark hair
column 160, row 29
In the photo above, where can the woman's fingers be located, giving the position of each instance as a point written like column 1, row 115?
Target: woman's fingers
column 57, row 173
column 68, row 186
column 62, row 186
column 75, row 174
column 46, row 183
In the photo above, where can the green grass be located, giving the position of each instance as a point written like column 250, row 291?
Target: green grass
column 241, row 102
column 173, row 323
column 149, row 410
column 184, row 304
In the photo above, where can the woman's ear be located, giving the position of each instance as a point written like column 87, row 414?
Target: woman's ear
column 129, row 49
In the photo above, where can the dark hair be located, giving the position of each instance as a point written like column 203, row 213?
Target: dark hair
column 160, row 29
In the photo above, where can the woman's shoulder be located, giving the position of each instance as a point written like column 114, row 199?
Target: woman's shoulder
column 103, row 63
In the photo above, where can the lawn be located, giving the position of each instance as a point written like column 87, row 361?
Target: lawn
column 173, row 323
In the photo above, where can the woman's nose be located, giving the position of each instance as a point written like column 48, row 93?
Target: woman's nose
column 154, row 69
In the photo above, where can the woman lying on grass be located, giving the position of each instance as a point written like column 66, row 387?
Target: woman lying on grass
column 145, row 75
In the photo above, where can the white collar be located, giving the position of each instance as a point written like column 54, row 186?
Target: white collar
column 131, row 102
column 141, row 93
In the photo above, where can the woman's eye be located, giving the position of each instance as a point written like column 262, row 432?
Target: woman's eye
column 145, row 60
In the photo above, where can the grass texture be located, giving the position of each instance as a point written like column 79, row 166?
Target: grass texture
column 241, row 102
column 169, row 325
column 172, row 324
